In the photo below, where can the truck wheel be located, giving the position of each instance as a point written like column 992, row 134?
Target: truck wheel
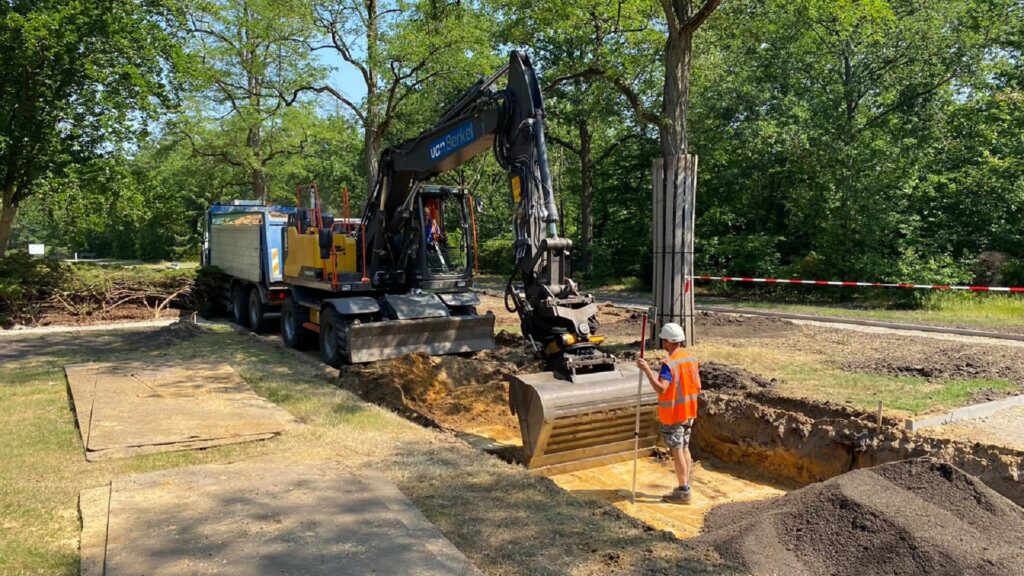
column 294, row 334
column 257, row 311
column 240, row 305
column 333, row 347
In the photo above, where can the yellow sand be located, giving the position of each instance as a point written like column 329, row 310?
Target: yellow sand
column 711, row 484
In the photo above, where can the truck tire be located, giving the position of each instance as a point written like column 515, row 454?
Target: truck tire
column 333, row 346
column 240, row 305
column 257, row 311
column 293, row 333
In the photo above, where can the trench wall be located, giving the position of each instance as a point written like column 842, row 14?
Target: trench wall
column 798, row 443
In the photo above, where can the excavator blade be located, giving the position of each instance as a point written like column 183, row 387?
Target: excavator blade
column 582, row 422
column 433, row 336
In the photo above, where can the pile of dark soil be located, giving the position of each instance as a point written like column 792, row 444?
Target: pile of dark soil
column 909, row 517
column 723, row 377
column 713, row 325
column 948, row 364
column 180, row 331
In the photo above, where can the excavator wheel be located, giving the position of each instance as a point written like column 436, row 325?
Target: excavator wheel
column 294, row 334
column 333, row 338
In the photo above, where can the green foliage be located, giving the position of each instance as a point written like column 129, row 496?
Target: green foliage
column 25, row 281
column 1012, row 273
column 77, row 81
column 32, row 287
column 497, row 256
column 860, row 139
column 864, row 139
column 209, row 287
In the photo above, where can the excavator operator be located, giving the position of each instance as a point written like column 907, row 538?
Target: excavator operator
column 435, row 239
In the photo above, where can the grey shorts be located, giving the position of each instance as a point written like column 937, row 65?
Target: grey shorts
column 677, row 435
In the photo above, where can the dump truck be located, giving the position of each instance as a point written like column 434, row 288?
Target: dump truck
column 243, row 238
column 401, row 281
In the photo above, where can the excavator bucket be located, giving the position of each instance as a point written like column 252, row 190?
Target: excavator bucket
column 433, row 336
column 578, row 422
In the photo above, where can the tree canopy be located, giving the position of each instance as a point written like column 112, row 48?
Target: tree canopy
column 875, row 139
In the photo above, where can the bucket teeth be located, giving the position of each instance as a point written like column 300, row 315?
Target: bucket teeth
column 570, row 426
column 434, row 336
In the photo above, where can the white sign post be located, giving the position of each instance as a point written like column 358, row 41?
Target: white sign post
column 37, row 249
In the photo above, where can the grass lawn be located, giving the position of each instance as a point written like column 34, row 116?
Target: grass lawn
column 504, row 519
column 982, row 311
column 806, row 376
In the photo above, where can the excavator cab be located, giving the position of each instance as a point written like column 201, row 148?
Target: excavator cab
column 445, row 248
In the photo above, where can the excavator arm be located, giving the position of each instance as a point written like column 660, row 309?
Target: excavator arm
column 557, row 319
column 581, row 412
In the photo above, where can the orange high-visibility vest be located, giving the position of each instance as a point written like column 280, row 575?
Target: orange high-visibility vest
column 679, row 402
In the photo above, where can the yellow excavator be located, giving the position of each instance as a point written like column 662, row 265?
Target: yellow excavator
column 400, row 280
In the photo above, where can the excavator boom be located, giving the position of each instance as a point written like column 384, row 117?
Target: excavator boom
column 581, row 411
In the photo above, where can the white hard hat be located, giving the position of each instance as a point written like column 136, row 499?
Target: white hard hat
column 673, row 332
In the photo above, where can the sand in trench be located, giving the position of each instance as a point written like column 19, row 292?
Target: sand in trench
column 712, row 484
column 469, row 396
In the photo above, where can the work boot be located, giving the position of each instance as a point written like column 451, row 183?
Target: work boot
column 677, row 496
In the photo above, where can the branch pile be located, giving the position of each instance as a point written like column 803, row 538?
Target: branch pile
column 35, row 290
column 87, row 300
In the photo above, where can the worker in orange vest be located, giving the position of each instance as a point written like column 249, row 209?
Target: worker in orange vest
column 677, row 385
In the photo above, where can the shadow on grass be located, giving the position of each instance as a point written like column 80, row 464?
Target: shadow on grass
column 510, row 522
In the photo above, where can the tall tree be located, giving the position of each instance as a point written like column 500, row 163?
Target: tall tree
column 77, row 79
column 249, row 53
column 683, row 18
column 398, row 48
column 833, row 132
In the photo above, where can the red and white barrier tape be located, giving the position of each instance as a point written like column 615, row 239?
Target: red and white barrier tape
column 863, row 284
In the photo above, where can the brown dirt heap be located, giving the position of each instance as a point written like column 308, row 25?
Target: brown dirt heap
column 909, row 517
column 724, row 377
column 450, row 391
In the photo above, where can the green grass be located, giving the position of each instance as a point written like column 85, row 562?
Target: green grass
column 502, row 517
column 999, row 311
column 804, row 376
column 42, row 465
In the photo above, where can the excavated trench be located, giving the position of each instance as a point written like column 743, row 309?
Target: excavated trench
column 799, row 442
column 759, row 453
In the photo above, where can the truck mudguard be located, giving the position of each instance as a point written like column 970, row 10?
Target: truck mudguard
column 354, row 305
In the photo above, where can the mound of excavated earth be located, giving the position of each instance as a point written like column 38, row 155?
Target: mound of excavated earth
column 909, row 517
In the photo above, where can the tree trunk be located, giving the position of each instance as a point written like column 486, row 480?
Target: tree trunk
column 586, row 199
column 258, row 175
column 371, row 126
column 7, row 213
column 371, row 155
column 678, row 59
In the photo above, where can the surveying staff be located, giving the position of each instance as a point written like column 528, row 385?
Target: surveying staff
column 677, row 385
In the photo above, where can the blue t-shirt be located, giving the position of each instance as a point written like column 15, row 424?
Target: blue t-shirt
column 666, row 373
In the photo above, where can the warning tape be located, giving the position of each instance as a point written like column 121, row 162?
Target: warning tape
column 747, row 279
